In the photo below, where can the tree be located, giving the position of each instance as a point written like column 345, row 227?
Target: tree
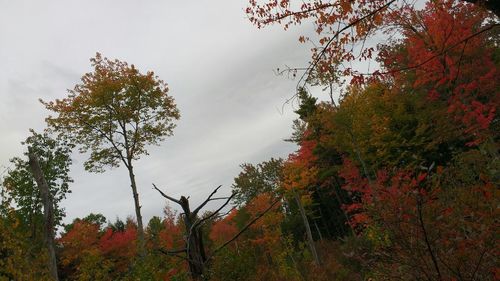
column 20, row 186
column 114, row 113
column 435, row 225
column 48, row 212
column 43, row 181
column 194, row 246
column 257, row 179
column 343, row 27
column 96, row 219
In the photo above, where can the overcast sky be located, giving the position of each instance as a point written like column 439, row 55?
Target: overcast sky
column 219, row 68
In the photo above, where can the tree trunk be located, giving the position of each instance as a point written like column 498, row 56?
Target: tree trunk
column 194, row 244
column 48, row 212
column 140, row 230
column 310, row 239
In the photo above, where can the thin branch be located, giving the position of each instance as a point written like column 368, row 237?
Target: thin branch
column 173, row 254
column 175, row 251
column 243, row 229
column 219, row 198
column 436, row 55
column 196, row 224
column 351, row 24
column 205, row 202
column 297, row 13
column 166, row 196
column 478, row 264
column 225, row 214
column 426, row 236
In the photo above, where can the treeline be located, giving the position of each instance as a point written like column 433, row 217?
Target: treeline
column 397, row 180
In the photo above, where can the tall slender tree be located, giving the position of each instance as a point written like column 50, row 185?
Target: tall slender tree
column 114, row 113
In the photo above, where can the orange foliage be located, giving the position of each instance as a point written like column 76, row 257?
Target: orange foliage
column 224, row 229
column 268, row 227
column 84, row 236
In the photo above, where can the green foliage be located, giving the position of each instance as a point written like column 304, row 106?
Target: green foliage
column 20, row 185
column 257, row 179
column 96, row 219
column 307, row 104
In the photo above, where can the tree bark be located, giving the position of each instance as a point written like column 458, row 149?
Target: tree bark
column 310, row 239
column 140, row 230
column 194, row 244
column 48, row 212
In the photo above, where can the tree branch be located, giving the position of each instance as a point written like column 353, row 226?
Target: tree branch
column 440, row 53
column 166, row 196
column 215, row 212
column 278, row 18
column 195, row 212
column 313, row 64
column 243, row 229
column 426, row 236
column 173, row 254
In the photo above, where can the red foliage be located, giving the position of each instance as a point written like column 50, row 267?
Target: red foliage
column 118, row 243
column 305, row 153
column 171, row 234
column 451, row 59
column 224, row 229
column 82, row 236
column 119, row 246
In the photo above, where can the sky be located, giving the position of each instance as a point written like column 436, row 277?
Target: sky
column 219, row 68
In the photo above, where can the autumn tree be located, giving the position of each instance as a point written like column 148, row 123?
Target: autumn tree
column 423, row 225
column 345, row 32
column 114, row 113
column 253, row 180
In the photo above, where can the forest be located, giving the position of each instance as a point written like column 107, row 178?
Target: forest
column 396, row 175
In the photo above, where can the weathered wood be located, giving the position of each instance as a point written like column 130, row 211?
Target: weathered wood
column 48, row 212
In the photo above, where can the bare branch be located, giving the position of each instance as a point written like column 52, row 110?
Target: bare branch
column 216, row 211
column 175, row 251
column 173, row 254
column 426, row 236
column 205, row 202
column 438, row 54
column 219, row 198
column 166, row 196
column 243, row 229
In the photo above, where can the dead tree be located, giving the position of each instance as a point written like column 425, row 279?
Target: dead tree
column 194, row 251
column 48, row 212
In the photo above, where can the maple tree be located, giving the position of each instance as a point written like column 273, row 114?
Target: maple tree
column 416, row 220
column 114, row 113
column 427, row 106
column 344, row 29
column 455, row 65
